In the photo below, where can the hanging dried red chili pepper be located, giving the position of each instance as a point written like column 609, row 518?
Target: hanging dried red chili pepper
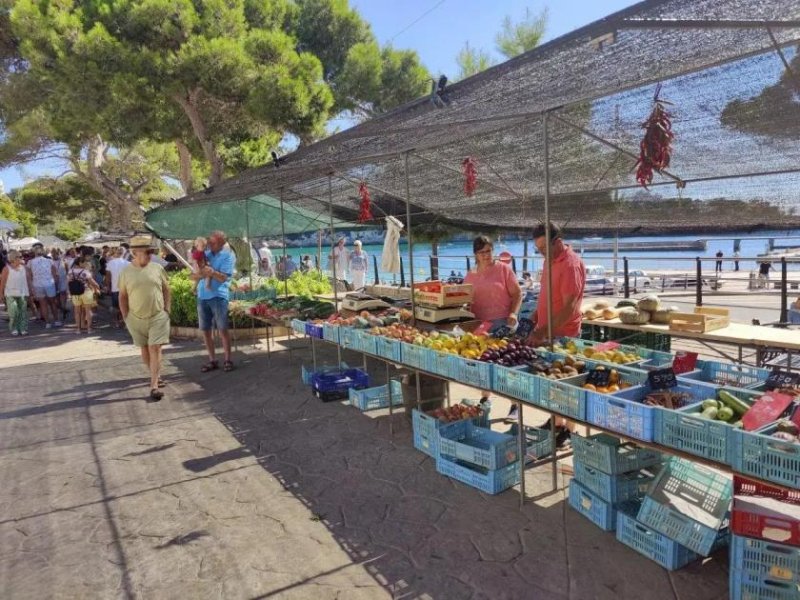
column 655, row 149
column 470, row 176
column 365, row 212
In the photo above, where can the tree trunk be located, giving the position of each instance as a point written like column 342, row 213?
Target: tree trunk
column 185, row 171
column 188, row 104
column 120, row 204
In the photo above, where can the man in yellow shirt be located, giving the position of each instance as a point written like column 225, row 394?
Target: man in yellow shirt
column 144, row 301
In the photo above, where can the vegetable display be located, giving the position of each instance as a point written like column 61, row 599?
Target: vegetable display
column 614, row 356
column 457, row 412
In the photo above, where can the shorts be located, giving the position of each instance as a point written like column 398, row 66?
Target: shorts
column 85, row 299
column 153, row 331
column 44, row 291
column 212, row 311
column 115, row 300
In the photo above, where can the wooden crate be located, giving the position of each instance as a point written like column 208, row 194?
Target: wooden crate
column 440, row 295
column 702, row 320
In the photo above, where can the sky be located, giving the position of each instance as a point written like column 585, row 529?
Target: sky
column 437, row 30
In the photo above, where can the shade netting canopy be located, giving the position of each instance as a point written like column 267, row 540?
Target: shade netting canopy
column 257, row 216
column 565, row 120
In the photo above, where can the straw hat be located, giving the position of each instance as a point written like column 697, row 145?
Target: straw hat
column 142, row 241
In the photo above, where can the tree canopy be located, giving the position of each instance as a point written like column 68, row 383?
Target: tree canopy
column 221, row 82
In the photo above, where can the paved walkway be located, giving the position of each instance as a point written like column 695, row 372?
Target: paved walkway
column 243, row 486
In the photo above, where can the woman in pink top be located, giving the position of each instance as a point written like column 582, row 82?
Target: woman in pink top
column 496, row 293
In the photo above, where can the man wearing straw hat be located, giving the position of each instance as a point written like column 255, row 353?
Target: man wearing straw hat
column 144, row 301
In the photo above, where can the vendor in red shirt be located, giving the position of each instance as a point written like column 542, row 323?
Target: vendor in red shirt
column 569, row 279
column 496, row 295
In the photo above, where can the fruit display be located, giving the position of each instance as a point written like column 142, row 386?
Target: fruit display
column 615, row 382
column 457, row 412
column 631, row 312
column 304, row 308
column 512, row 354
column 787, row 431
column 667, row 399
column 366, row 319
column 614, row 356
column 557, row 369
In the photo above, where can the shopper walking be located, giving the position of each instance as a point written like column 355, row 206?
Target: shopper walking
column 266, row 259
column 359, row 263
column 736, row 256
column 14, row 280
column 144, row 300
column 44, row 278
column 212, row 305
column 763, row 274
column 718, row 268
column 61, row 287
column 114, row 268
column 82, row 288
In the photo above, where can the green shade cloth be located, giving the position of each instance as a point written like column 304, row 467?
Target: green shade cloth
column 258, row 216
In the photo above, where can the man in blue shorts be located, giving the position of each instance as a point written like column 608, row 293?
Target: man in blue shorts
column 212, row 300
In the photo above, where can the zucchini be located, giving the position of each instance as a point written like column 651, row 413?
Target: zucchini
column 737, row 406
column 709, row 413
column 624, row 303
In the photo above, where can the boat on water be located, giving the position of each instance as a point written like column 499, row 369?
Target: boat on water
column 789, row 254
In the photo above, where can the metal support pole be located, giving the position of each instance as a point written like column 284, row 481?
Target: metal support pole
column 333, row 262
column 375, row 267
column 525, row 254
column 285, row 262
column 433, row 271
column 469, row 265
column 548, row 254
column 554, row 451
column 410, row 245
column 784, row 298
column 699, row 283
column 247, row 232
column 389, row 383
column 402, row 274
column 627, row 282
column 523, row 453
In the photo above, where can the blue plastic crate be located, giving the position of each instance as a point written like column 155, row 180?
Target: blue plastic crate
column 748, row 586
column 481, row 447
column 347, row 336
column 376, row 397
column 653, row 357
column 306, row 374
column 336, row 384
column 685, row 429
column 685, row 487
column 426, row 430
column 623, row 411
column 610, row 455
column 389, row 348
column 314, row 330
column 758, row 454
column 298, row 326
column 652, row 544
column 331, row 333
column 515, row 382
column 612, row 488
column 561, row 396
column 727, row 374
column 593, row 507
column 490, row 481
column 364, row 342
column 418, row 357
column 471, row 372
column 766, row 559
column 443, row 364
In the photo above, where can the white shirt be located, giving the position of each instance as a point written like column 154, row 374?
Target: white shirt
column 115, row 267
column 17, row 282
column 265, row 254
column 42, row 270
column 342, row 258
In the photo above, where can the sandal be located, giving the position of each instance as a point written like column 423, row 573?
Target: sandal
column 227, row 366
column 209, row 366
column 161, row 383
column 156, row 394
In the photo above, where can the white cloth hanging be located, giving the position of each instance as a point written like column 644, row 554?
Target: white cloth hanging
column 390, row 259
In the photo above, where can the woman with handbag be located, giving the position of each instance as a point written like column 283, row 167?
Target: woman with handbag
column 82, row 288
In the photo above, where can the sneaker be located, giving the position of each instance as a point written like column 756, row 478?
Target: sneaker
column 58, row 324
column 24, row 332
column 513, row 414
column 563, row 437
column 15, row 333
column 48, row 325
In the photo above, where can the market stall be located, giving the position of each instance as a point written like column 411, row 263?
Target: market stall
column 557, row 134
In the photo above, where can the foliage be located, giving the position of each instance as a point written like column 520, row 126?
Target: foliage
column 516, row 38
column 10, row 211
column 184, row 301
column 70, row 230
column 472, row 61
column 69, row 198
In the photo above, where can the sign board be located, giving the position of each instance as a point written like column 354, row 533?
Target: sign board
column 662, row 379
column 684, row 362
column 782, row 379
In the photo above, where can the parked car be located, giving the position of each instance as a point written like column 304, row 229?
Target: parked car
column 599, row 286
column 688, row 282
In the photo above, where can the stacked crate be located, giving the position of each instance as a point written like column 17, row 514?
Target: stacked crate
column 608, row 474
column 482, row 458
column 765, row 545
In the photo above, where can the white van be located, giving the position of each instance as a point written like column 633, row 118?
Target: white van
column 595, row 271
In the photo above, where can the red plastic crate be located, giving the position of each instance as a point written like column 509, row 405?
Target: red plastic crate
column 747, row 521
